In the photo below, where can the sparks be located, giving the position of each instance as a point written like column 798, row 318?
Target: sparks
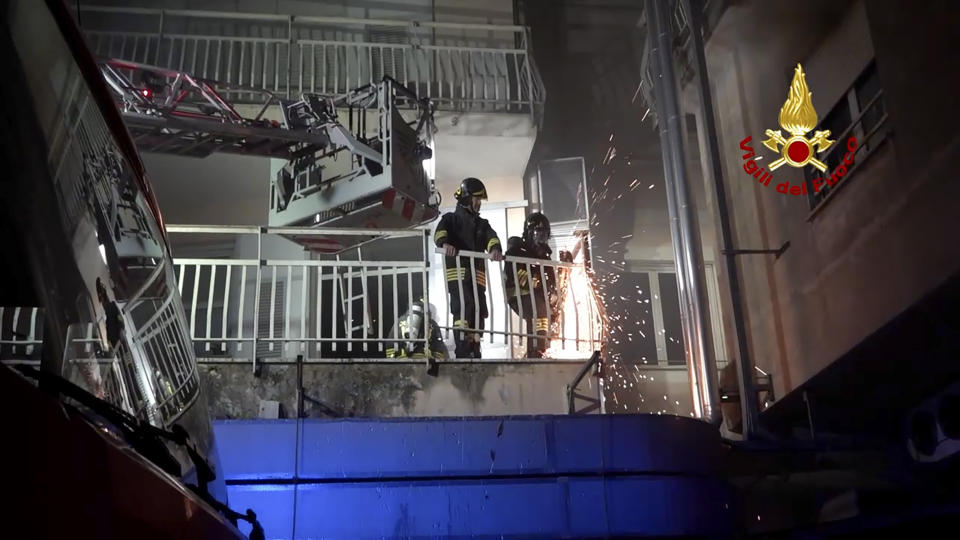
column 580, row 314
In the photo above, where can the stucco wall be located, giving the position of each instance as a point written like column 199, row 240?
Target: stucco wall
column 876, row 246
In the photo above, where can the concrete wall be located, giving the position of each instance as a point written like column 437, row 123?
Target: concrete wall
column 873, row 248
column 392, row 390
column 404, row 390
column 492, row 147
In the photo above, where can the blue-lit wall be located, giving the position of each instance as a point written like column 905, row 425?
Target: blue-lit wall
column 549, row 476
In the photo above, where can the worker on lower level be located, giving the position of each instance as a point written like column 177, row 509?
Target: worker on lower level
column 465, row 230
column 418, row 336
column 531, row 288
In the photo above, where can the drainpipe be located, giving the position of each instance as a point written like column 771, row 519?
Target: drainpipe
column 748, row 393
column 685, row 231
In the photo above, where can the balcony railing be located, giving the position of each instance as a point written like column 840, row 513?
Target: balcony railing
column 345, row 308
column 460, row 67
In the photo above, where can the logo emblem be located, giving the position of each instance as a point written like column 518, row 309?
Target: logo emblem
column 798, row 117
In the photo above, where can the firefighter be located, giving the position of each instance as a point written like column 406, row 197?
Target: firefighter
column 412, row 327
column 464, row 229
column 531, row 288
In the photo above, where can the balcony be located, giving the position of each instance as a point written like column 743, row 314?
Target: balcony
column 461, row 67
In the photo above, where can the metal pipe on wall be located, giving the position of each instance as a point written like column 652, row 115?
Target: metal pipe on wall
column 679, row 256
column 684, row 227
column 748, row 393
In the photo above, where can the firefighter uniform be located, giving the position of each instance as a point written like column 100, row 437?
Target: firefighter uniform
column 529, row 287
column 465, row 230
column 410, row 329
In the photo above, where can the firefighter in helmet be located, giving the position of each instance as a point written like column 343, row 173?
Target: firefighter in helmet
column 465, row 230
column 531, row 288
column 418, row 324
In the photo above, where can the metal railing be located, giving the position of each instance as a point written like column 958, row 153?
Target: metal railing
column 104, row 372
column 21, row 335
column 462, row 67
column 868, row 128
column 573, row 314
column 148, row 372
column 345, row 307
column 333, row 308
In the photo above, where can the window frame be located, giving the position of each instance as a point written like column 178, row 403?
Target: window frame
column 653, row 269
column 850, row 101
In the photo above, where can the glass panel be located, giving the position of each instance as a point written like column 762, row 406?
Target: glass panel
column 673, row 329
column 632, row 335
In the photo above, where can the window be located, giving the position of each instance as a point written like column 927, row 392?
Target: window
column 672, row 326
column 657, row 337
column 860, row 113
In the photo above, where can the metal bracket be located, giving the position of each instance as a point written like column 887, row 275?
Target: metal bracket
column 776, row 252
column 731, row 394
column 572, row 387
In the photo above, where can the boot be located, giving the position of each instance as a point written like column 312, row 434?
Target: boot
column 462, row 348
column 539, row 345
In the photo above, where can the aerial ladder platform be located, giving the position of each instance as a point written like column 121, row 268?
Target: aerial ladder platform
column 352, row 160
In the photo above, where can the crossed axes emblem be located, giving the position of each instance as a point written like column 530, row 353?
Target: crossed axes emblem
column 797, row 146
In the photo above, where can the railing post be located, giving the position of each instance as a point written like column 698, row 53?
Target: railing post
column 426, row 295
column 256, row 296
column 300, row 396
column 291, row 41
column 528, row 54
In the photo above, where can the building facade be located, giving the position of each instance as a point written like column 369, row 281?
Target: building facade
column 872, row 245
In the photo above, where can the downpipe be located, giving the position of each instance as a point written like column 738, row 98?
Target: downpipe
column 684, row 228
column 748, row 393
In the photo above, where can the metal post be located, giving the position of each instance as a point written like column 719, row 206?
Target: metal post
column 300, row 386
column 690, row 269
column 528, row 56
column 290, row 44
column 749, row 413
column 256, row 297
column 156, row 55
column 533, row 192
column 427, row 319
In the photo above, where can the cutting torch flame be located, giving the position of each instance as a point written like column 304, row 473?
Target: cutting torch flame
column 580, row 316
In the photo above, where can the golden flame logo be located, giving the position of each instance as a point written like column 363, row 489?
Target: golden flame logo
column 798, row 117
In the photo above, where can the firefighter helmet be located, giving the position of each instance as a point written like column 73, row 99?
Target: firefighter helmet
column 536, row 228
column 470, row 187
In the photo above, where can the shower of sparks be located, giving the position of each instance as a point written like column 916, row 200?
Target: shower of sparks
column 581, row 315
column 600, row 301
column 637, row 93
